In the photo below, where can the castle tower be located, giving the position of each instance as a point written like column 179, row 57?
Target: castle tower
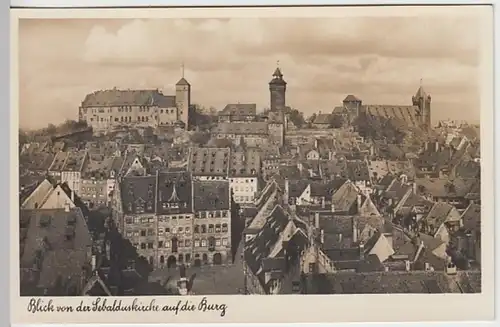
column 183, row 99
column 423, row 101
column 277, row 88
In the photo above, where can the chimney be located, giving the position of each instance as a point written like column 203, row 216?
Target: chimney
column 72, row 196
column 414, row 186
column 427, row 266
column 426, row 146
column 316, row 220
column 94, row 262
column 322, row 236
column 355, row 231
column 407, row 265
column 340, row 238
column 437, row 146
column 361, row 251
column 358, row 201
column 66, row 207
column 323, row 202
column 315, row 143
column 333, row 207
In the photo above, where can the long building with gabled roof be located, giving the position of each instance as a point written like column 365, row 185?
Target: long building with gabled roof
column 105, row 110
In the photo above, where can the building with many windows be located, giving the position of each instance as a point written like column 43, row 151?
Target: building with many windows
column 107, row 109
column 172, row 219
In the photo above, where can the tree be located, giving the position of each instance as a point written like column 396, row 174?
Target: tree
column 337, row 121
column 200, row 138
column 296, row 117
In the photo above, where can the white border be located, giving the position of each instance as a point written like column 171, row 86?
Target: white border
column 485, row 144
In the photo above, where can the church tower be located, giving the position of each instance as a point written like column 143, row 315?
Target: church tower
column 277, row 88
column 423, row 101
column 183, row 99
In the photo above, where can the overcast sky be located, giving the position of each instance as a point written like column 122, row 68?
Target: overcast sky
column 380, row 60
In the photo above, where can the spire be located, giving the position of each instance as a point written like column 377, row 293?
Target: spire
column 420, row 92
column 182, row 81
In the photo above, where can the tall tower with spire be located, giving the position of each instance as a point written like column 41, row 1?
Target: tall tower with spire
column 277, row 88
column 423, row 101
column 183, row 99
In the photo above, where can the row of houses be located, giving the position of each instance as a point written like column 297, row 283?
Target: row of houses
column 310, row 231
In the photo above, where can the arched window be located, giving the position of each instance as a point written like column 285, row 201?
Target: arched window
column 224, row 228
column 217, row 228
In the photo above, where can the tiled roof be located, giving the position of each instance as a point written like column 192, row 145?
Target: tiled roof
column 345, row 197
column 211, row 195
column 57, row 243
column 239, row 109
column 471, row 217
column 247, row 128
column 209, row 161
column 405, row 114
column 322, row 119
column 98, row 169
column 440, row 187
column 59, row 161
column 117, row 97
column 383, row 282
column 245, row 163
column 358, row 171
column 438, row 214
column 138, row 194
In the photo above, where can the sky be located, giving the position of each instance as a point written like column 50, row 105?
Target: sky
column 381, row 60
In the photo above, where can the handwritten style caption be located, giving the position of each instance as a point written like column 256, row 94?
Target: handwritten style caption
column 39, row 305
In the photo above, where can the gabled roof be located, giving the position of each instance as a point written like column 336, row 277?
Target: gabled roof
column 182, row 81
column 211, row 195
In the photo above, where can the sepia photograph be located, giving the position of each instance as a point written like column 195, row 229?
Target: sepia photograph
column 262, row 154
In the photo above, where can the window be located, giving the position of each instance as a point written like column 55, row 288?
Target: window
column 160, row 244
column 151, row 232
column 167, row 244
column 150, row 245
column 217, row 242
column 188, row 230
column 203, row 229
column 181, row 243
column 167, row 230
column 224, row 241
column 143, row 246
column 188, row 257
column 203, row 243
column 160, row 231
column 196, row 243
column 196, row 229
column 210, row 228
column 217, row 228
column 179, row 230
column 143, row 233
column 224, row 214
column 128, row 220
column 224, row 228
column 188, row 243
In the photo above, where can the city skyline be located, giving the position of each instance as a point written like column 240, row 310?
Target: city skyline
column 232, row 60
